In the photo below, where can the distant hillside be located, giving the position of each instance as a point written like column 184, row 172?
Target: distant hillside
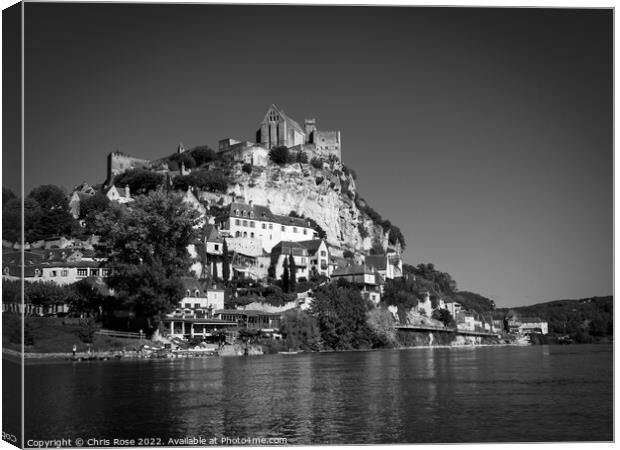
column 474, row 302
column 585, row 320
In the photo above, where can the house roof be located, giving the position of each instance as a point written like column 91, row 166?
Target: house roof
column 263, row 213
column 355, row 269
column 312, row 245
column 379, row 262
column 211, row 234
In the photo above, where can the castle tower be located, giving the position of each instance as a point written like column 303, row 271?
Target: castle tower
column 310, row 128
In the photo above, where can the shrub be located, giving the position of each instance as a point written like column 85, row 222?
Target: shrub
column 347, row 254
column 362, row 230
column 203, row 154
column 316, row 162
column 302, row 157
column 319, row 180
column 247, row 168
column 183, row 158
column 279, row 155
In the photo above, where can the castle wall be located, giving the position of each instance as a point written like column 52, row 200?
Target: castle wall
column 119, row 162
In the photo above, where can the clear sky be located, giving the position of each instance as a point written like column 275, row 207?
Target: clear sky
column 484, row 134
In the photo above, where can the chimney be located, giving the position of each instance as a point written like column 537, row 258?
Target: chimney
column 251, row 203
column 127, row 190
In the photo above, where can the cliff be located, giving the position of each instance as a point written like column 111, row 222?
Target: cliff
column 326, row 195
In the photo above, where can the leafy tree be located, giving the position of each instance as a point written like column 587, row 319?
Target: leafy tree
column 381, row 322
column 12, row 219
column 46, row 293
column 210, row 180
column 285, row 276
column 302, row 157
column 215, row 277
column 146, row 246
column 225, row 263
column 87, row 298
column 348, row 254
column 140, row 181
column 184, row 158
column 247, row 168
column 279, row 155
column 444, row 316
column 203, row 154
column 93, row 205
column 49, row 197
column 317, row 163
column 300, row 330
column 340, row 312
column 292, row 268
column 7, row 195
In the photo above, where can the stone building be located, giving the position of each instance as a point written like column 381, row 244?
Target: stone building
column 278, row 129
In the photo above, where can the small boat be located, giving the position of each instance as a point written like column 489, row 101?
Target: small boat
column 289, row 352
column 523, row 340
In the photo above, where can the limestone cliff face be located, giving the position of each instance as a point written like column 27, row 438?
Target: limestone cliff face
column 325, row 195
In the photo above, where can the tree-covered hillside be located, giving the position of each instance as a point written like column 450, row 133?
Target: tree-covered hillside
column 584, row 320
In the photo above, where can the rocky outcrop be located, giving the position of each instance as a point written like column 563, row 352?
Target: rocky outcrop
column 326, row 195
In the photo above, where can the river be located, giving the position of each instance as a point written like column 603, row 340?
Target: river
column 421, row 395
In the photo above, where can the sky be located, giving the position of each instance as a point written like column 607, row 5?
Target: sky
column 485, row 134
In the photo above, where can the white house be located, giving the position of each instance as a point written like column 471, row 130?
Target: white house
column 119, row 195
column 255, row 221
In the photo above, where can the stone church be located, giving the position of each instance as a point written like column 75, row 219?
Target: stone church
column 278, row 129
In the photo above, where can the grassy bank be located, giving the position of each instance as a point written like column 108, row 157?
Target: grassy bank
column 57, row 335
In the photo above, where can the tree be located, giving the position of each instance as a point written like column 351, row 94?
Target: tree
column 140, row 181
column 340, row 312
column 12, row 220
column 93, row 205
column 300, row 330
column 225, row 262
column 203, row 154
column 146, row 246
column 49, row 197
column 279, row 155
column 215, row 277
column 184, row 158
column 444, row 316
column 292, row 268
column 7, row 195
column 285, row 276
column 87, row 298
column 302, row 157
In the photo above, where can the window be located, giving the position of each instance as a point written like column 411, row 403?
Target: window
column 264, row 226
column 196, row 305
column 252, row 214
column 238, row 234
column 252, row 224
column 236, row 212
column 82, row 272
column 64, row 273
column 196, row 293
column 216, row 246
column 282, row 228
column 323, row 253
column 245, row 223
column 245, row 213
column 53, row 273
column 252, row 234
column 305, row 231
column 187, row 295
column 271, row 226
column 94, row 272
column 237, row 222
column 294, row 229
column 245, row 234
column 104, row 272
column 188, row 305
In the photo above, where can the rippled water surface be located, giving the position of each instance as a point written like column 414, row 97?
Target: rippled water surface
column 484, row 394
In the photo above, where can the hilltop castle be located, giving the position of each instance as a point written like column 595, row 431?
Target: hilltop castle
column 276, row 130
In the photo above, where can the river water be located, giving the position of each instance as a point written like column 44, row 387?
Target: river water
column 422, row 395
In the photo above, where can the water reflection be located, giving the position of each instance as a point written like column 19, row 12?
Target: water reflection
column 408, row 396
